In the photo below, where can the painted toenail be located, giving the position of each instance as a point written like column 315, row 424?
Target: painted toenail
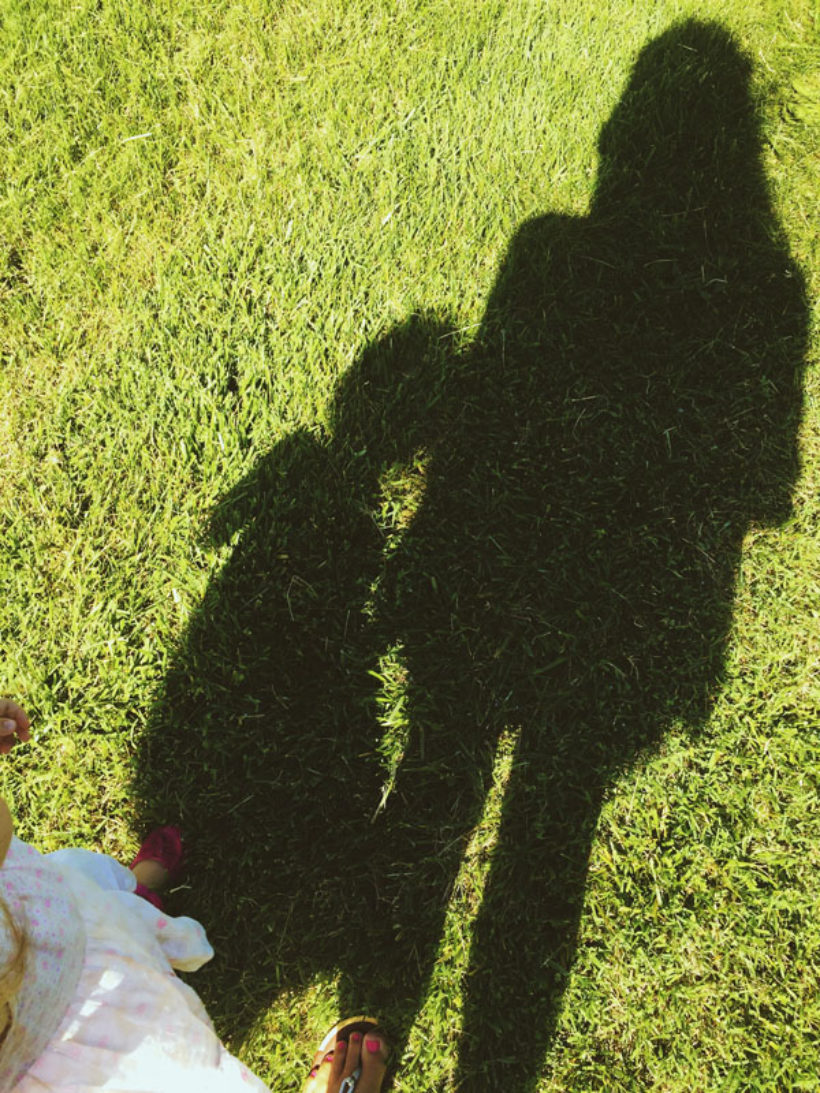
column 356, row 1037
column 373, row 1046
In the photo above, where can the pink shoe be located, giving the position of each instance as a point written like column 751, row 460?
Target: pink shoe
column 163, row 846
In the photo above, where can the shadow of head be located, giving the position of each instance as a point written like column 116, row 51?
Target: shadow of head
column 685, row 131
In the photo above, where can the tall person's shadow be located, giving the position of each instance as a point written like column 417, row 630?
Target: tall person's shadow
column 581, row 481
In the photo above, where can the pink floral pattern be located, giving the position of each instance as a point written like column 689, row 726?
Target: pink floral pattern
column 41, row 903
column 101, row 1006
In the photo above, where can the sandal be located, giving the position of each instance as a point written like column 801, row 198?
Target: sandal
column 343, row 1030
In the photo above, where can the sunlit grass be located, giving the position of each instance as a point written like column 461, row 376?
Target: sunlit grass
column 207, row 214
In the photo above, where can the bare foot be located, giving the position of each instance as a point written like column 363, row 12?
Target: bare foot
column 367, row 1051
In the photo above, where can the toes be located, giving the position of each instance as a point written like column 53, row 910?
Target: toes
column 310, row 1085
column 347, row 1057
column 338, row 1066
column 325, row 1065
column 354, row 1053
column 365, row 1052
column 375, row 1051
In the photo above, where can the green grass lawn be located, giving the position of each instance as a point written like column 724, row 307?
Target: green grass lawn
column 410, row 470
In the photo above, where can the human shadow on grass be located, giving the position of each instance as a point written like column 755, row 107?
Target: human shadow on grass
column 569, row 496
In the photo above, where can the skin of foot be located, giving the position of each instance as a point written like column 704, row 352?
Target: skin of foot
column 368, row 1050
column 151, row 874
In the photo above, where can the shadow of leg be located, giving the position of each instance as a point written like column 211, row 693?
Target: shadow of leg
column 524, row 939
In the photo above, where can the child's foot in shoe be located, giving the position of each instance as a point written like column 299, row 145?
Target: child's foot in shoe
column 159, row 859
column 158, row 863
column 367, row 1050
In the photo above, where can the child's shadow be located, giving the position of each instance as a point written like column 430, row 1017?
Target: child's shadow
column 577, row 486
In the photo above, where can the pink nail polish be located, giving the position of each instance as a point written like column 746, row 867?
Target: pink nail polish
column 373, row 1046
column 356, row 1037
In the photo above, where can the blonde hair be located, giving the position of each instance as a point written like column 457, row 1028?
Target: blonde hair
column 12, row 972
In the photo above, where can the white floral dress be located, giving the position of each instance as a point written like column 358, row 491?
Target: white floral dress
column 100, row 1007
